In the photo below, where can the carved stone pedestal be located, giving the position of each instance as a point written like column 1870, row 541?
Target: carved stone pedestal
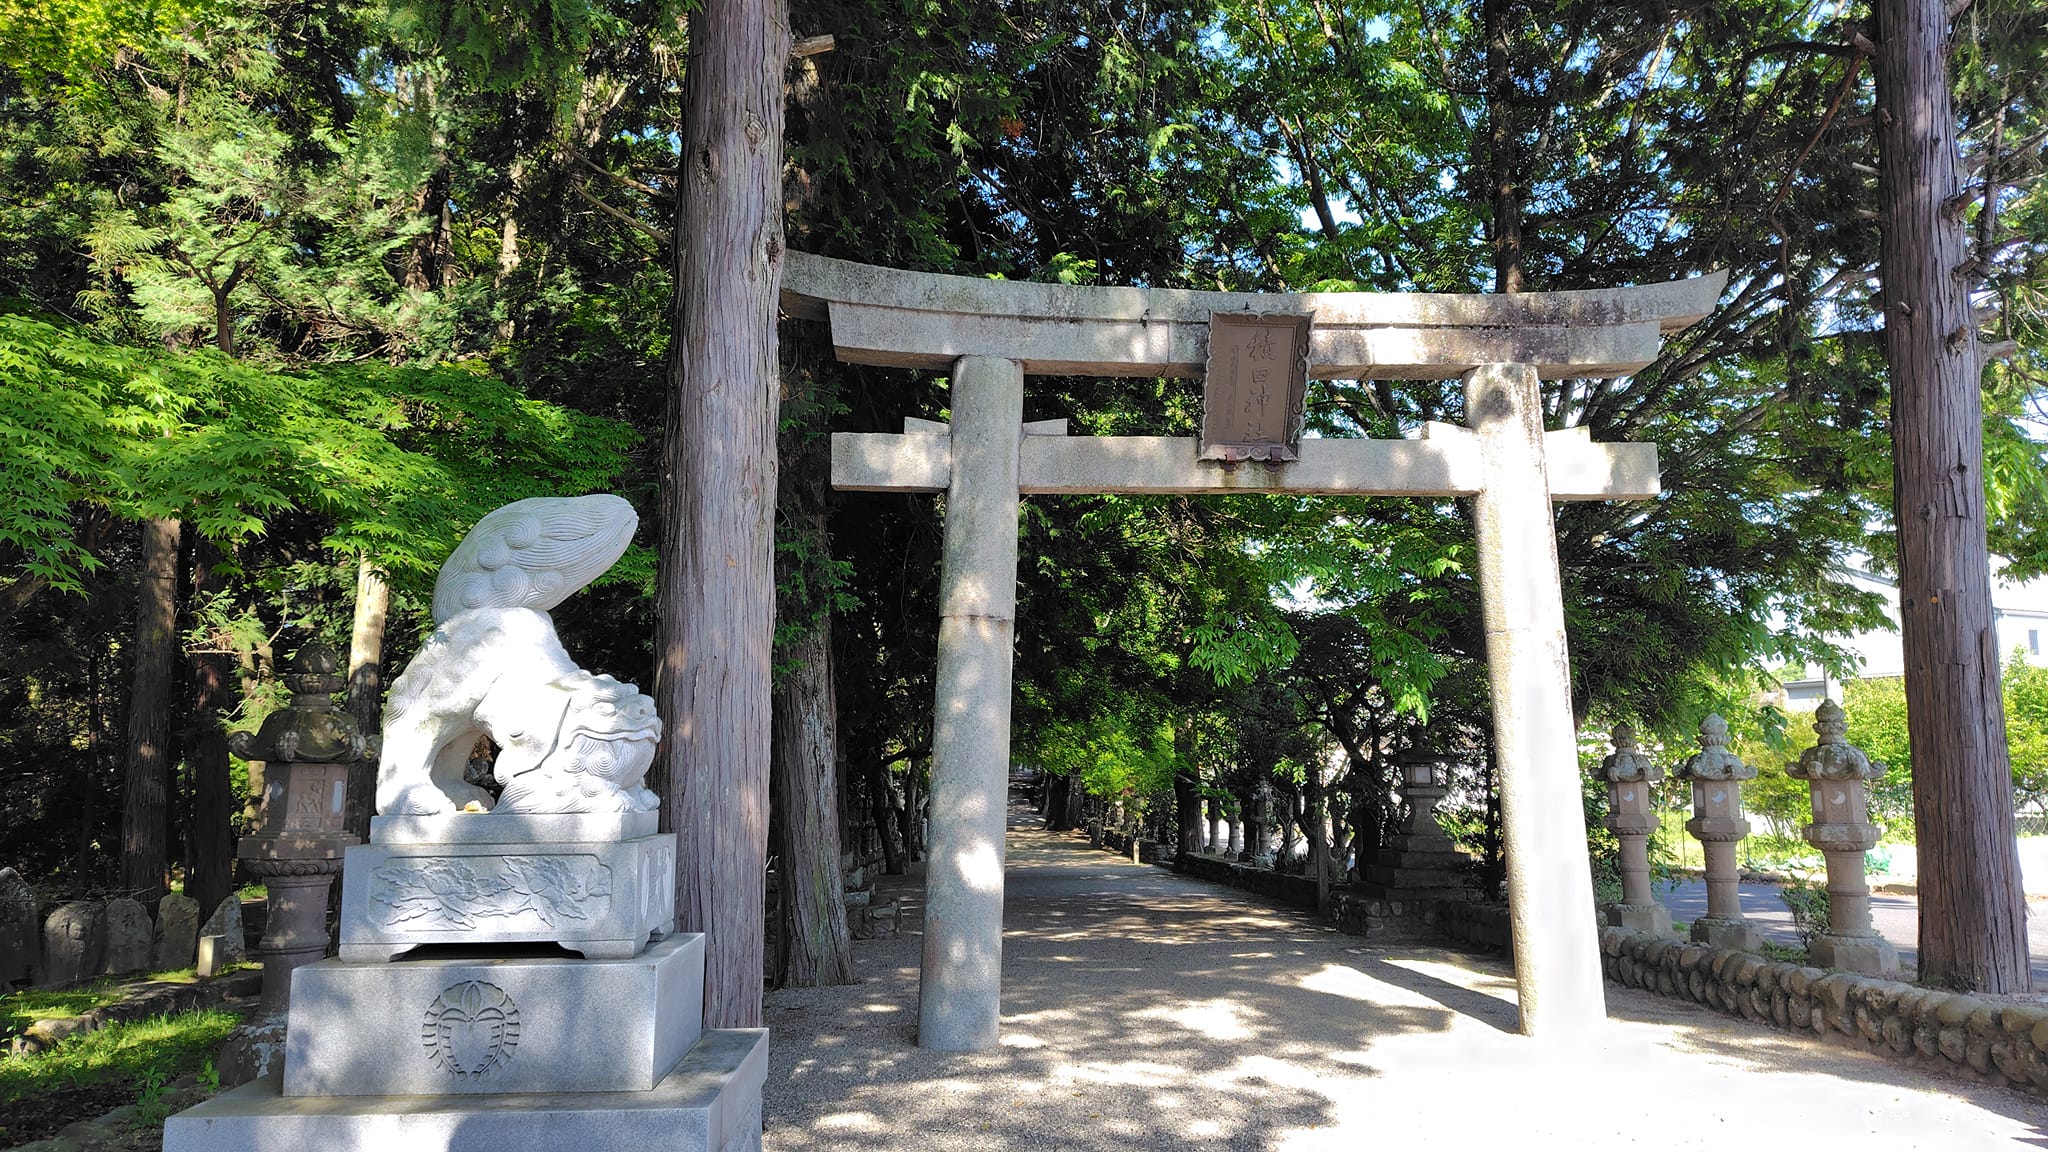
column 709, row 1102
column 459, row 1026
column 1872, row 954
column 599, row 885
column 300, row 878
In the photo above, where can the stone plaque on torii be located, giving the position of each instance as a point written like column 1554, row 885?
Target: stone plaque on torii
column 990, row 334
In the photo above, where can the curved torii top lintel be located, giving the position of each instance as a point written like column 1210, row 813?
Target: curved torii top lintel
column 890, row 316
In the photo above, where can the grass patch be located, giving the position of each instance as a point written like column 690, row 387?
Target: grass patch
column 1772, row 950
column 20, row 1009
column 166, row 1047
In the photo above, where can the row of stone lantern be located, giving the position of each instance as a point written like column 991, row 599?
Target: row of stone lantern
column 1839, row 775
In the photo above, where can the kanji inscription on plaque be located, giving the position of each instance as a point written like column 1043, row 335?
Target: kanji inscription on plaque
column 1256, row 385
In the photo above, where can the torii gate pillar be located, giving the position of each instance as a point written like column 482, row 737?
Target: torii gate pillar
column 1521, row 601
column 960, row 995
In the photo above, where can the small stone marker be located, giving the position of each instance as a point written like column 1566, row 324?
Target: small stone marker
column 20, row 942
column 74, row 942
column 209, row 962
column 177, row 932
column 129, row 936
column 226, row 923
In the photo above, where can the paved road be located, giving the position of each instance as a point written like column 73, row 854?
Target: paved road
column 1896, row 918
column 1143, row 1012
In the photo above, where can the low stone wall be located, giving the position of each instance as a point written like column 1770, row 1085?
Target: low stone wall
column 1481, row 926
column 1360, row 913
column 1295, row 891
column 1484, row 926
column 1978, row 1038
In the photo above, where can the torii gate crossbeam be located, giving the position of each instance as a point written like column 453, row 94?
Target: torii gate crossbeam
column 991, row 334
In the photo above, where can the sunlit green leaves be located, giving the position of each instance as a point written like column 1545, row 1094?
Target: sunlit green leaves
column 398, row 461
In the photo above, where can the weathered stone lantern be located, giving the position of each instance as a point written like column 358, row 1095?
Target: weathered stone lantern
column 308, row 750
column 1838, row 773
column 1631, row 816
column 1718, row 824
column 1419, row 862
column 1425, row 779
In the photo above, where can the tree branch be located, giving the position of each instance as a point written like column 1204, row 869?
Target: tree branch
column 650, row 231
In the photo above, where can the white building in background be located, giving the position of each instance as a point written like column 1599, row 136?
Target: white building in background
column 2019, row 612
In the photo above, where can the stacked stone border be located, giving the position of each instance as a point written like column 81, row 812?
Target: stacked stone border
column 1970, row 1036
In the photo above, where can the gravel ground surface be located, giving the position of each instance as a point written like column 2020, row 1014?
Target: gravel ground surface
column 1143, row 1011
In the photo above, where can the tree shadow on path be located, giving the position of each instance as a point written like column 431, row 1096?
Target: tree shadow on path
column 1146, row 1011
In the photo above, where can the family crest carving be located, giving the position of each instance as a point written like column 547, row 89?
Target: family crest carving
column 471, row 1028
column 570, row 741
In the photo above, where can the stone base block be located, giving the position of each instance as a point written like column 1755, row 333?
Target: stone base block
column 711, row 1102
column 1735, row 934
column 1871, row 955
column 1652, row 918
column 602, row 898
column 468, row 1026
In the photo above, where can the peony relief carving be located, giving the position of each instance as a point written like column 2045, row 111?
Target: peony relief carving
column 464, row 892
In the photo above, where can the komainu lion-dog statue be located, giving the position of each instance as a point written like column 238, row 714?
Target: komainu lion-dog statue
column 568, row 741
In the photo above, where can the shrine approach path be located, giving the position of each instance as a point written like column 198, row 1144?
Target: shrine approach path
column 1147, row 1011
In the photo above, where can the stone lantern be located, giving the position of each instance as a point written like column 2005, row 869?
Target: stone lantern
column 1419, row 861
column 308, row 750
column 1632, row 817
column 1838, row 773
column 1717, row 823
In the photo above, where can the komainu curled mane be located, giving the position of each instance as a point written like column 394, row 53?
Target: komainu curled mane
column 570, row 741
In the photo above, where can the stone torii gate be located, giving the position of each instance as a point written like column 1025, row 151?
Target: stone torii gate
column 991, row 334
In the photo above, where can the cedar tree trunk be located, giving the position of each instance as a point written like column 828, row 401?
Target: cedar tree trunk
column 716, row 594
column 145, row 795
column 880, row 811
column 806, row 748
column 910, row 818
column 1501, row 151
column 209, row 874
column 807, row 807
column 1973, row 918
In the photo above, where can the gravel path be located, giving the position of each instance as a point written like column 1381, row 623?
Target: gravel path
column 1143, row 1011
